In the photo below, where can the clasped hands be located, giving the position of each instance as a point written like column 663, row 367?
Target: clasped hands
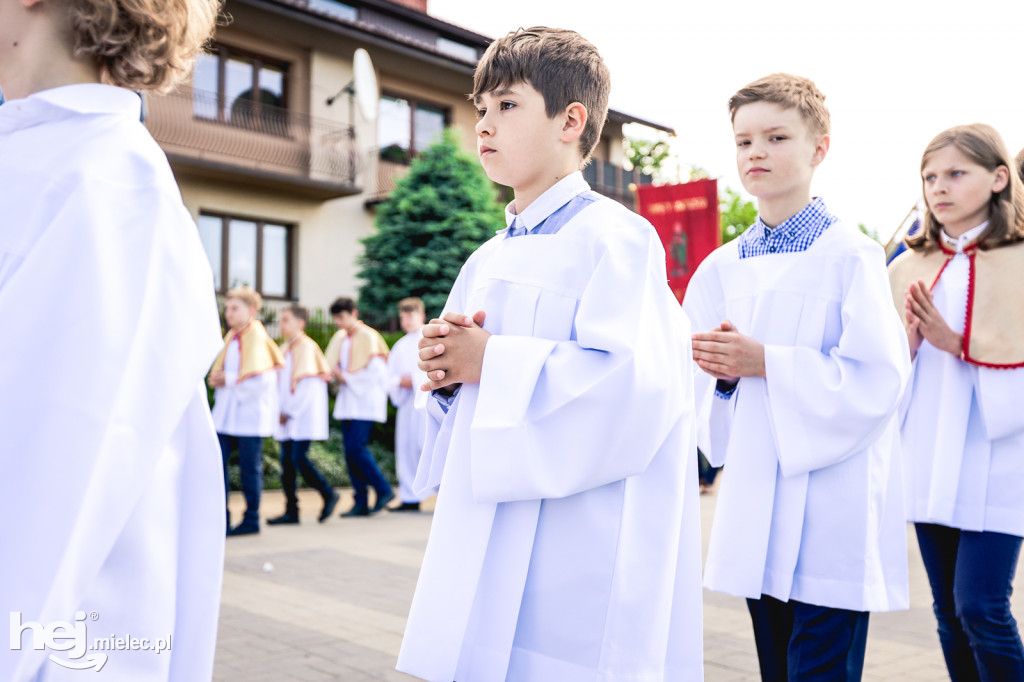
column 925, row 322
column 452, row 350
column 726, row 354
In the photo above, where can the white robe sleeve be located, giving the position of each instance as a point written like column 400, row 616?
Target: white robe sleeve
column 399, row 365
column 714, row 414
column 554, row 418
column 827, row 407
column 998, row 392
column 99, row 397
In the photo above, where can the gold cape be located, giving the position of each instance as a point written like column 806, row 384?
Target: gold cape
column 307, row 359
column 258, row 351
column 366, row 345
column 994, row 323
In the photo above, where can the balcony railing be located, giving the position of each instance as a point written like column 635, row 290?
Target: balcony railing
column 614, row 182
column 265, row 144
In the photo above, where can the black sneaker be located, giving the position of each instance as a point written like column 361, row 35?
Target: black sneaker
column 358, row 510
column 406, row 507
column 283, row 519
column 382, row 501
column 329, row 504
column 243, row 529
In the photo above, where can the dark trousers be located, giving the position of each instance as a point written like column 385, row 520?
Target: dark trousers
column 797, row 641
column 295, row 457
column 250, row 463
column 362, row 468
column 971, row 576
column 706, row 472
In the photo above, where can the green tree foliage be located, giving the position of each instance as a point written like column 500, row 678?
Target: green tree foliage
column 736, row 214
column 646, row 155
column 426, row 229
column 871, row 233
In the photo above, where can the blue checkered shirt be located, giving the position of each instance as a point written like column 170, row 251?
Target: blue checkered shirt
column 793, row 235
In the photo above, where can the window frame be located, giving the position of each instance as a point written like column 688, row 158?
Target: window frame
column 414, row 103
column 223, row 54
column 225, row 252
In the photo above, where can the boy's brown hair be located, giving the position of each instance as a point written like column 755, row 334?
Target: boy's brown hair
column 298, row 312
column 142, row 44
column 412, row 304
column 560, row 64
column 789, row 92
column 983, row 145
column 246, row 295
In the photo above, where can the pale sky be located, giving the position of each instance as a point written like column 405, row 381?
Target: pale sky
column 895, row 73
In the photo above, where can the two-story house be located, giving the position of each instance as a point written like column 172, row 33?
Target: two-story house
column 282, row 173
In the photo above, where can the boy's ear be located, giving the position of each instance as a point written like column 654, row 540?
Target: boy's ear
column 575, row 118
column 820, row 149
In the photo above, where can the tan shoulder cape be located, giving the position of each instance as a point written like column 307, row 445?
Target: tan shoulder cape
column 258, row 351
column 366, row 344
column 307, row 359
column 994, row 325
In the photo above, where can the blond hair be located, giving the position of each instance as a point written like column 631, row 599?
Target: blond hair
column 560, row 64
column 246, row 295
column 412, row 304
column 789, row 92
column 142, row 44
column 983, row 145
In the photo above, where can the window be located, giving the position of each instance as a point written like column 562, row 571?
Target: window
column 457, row 50
column 406, row 127
column 241, row 88
column 333, row 8
column 246, row 251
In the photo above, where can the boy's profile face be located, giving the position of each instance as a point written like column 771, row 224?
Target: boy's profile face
column 518, row 143
column 236, row 312
column 776, row 151
column 291, row 325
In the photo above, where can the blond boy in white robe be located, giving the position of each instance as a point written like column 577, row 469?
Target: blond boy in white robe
column 111, row 496
column 410, row 422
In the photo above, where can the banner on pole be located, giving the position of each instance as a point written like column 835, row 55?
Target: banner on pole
column 686, row 218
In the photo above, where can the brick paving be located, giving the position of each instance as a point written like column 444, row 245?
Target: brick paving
column 328, row 602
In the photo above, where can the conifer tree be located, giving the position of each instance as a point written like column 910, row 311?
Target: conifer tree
column 426, row 229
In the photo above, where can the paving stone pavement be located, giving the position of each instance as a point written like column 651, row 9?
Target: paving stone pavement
column 319, row 602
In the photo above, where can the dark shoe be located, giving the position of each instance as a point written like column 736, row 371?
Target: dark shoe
column 358, row 510
column 406, row 506
column 329, row 504
column 382, row 501
column 243, row 529
column 283, row 519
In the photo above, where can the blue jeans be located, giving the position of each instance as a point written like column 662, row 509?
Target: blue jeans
column 362, row 468
column 971, row 576
column 798, row 642
column 295, row 457
column 250, row 463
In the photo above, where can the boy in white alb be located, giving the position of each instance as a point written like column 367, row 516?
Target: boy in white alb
column 565, row 544
column 302, row 400
column 358, row 358
column 810, row 362
column 111, row 497
column 245, row 398
column 403, row 379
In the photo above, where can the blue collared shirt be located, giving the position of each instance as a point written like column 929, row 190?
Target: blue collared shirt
column 793, row 235
column 546, row 215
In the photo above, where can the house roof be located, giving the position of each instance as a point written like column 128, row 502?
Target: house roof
column 408, row 31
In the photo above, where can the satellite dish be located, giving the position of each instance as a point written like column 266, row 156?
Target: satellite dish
column 364, row 83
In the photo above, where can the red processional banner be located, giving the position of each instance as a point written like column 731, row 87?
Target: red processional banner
column 686, row 218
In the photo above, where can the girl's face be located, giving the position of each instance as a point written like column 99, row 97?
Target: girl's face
column 958, row 190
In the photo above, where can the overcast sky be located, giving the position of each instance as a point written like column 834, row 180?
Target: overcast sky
column 895, row 73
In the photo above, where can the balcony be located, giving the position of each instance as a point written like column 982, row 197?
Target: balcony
column 614, row 182
column 256, row 144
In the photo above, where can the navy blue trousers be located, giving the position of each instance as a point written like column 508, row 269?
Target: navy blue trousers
column 250, row 464
column 798, row 642
column 971, row 576
column 362, row 468
column 295, row 458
